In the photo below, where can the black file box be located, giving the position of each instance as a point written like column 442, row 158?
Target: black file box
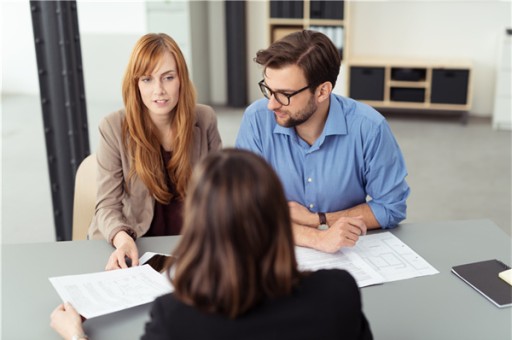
column 408, row 74
column 367, row 83
column 326, row 9
column 287, row 9
column 407, row 94
column 449, row 86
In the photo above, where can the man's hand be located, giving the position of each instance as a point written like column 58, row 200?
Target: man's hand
column 344, row 232
column 302, row 216
column 125, row 248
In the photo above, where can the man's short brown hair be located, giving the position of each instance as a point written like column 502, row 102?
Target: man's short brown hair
column 312, row 51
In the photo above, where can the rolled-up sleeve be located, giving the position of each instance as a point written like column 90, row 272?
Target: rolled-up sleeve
column 385, row 173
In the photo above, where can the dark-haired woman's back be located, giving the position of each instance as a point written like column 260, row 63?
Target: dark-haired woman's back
column 325, row 305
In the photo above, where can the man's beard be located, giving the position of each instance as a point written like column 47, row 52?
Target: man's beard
column 302, row 116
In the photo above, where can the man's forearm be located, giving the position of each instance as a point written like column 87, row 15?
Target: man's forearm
column 304, row 236
column 343, row 233
column 362, row 209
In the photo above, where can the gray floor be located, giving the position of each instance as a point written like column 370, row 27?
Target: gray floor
column 456, row 171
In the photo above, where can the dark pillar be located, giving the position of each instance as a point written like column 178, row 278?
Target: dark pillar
column 61, row 83
column 236, row 53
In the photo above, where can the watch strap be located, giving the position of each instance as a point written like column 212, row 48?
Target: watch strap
column 323, row 221
column 322, row 218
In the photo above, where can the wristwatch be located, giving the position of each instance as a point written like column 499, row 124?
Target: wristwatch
column 323, row 221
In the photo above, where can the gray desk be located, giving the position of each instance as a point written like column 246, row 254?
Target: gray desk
column 442, row 306
column 432, row 307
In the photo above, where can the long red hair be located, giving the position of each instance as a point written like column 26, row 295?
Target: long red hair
column 139, row 131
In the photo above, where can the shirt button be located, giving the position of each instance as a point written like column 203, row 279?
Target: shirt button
column 311, row 206
column 310, row 180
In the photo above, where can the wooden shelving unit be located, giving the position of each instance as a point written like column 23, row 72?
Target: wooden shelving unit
column 327, row 16
column 442, row 85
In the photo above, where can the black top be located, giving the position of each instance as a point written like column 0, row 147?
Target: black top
column 325, row 305
column 167, row 218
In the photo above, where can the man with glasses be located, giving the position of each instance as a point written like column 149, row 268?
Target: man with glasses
column 341, row 167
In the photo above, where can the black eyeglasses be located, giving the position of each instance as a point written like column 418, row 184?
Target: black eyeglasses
column 282, row 98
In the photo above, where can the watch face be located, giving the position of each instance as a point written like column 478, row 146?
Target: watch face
column 323, row 227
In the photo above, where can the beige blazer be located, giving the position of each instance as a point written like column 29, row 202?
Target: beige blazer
column 117, row 209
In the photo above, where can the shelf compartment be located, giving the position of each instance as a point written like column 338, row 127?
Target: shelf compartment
column 326, row 9
column 367, row 83
column 407, row 94
column 450, row 86
column 335, row 33
column 287, row 9
column 408, row 74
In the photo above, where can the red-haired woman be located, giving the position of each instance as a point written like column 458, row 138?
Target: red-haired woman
column 147, row 150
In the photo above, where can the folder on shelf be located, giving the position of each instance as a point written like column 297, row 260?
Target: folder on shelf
column 286, row 9
column 484, row 277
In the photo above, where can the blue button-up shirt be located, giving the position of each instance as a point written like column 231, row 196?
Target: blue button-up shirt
column 355, row 160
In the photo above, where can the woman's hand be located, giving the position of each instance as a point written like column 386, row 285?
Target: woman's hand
column 66, row 321
column 125, row 248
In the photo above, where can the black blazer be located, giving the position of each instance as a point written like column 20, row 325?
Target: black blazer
column 325, row 305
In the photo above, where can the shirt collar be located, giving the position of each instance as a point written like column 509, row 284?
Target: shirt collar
column 335, row 124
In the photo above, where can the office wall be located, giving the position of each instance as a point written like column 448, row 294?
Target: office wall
column 19, row 71
column 258, row 33
column 108, row 32
column 217, row 44
column 200, row 49
column 435, row 29
column 106, row 41
column 413, row 28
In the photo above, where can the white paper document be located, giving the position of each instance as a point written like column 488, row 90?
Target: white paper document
column 311, row 259
column 375, row 259
column 392, row 258
column 105, row 292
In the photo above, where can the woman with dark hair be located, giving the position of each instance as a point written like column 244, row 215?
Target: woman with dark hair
column 234, row 270
column 147, row 150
